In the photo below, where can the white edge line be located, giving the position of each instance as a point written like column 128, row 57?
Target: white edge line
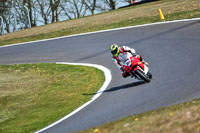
column 108, row 78
column 88, row 33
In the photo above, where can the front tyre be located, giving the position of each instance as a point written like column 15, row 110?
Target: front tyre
column 142, row 75
column 149, row 75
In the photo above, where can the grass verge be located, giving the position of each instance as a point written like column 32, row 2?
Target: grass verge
column 181, row 118
column 140, row 14
column 33, row 96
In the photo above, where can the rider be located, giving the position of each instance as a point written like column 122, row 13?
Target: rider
column 120, row 56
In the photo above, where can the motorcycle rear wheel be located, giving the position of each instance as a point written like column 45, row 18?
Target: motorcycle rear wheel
column 142, row 75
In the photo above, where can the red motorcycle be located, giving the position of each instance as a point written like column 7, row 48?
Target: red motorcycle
column 136, row 68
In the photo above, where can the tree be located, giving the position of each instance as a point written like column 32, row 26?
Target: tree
column 3, row 7
column 54, row 4
column 111, row 4
column 91, row 5
column 5, row 14
column 49, row 11
column 21, row 14
column 44, row 10
column 31, row 6
column 78, row 8
column 74, row 8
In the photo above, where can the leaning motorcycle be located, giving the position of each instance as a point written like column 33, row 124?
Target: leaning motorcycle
column 136, row 68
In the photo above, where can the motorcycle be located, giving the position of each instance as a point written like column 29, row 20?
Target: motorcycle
column 137, row 68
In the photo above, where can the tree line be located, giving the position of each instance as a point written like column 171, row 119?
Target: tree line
column 21, row 14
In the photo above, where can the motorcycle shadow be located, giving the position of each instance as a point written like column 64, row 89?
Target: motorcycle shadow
column 134, row 84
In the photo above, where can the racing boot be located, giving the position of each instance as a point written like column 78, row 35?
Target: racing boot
column 125, row 74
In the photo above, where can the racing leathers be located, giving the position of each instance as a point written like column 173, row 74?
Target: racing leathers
column 124, row 54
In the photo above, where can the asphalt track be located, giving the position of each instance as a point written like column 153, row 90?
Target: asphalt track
column 172, row 49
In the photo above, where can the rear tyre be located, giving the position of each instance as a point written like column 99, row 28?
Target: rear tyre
column 142, row 75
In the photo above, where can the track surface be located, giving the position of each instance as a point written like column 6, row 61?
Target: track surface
column 173, row 51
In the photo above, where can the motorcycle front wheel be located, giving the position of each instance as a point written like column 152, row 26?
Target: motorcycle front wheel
column 149, row 75
column 142, row 75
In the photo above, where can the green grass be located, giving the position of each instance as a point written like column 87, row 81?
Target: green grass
column 33, row 96
column 181, row 118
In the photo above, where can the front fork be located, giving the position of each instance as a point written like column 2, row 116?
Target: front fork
column 138, row 67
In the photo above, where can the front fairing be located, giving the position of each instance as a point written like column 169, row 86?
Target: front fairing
column 130, row 63
column 137, row 64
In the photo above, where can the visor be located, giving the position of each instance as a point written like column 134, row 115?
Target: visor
column 114, row 51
